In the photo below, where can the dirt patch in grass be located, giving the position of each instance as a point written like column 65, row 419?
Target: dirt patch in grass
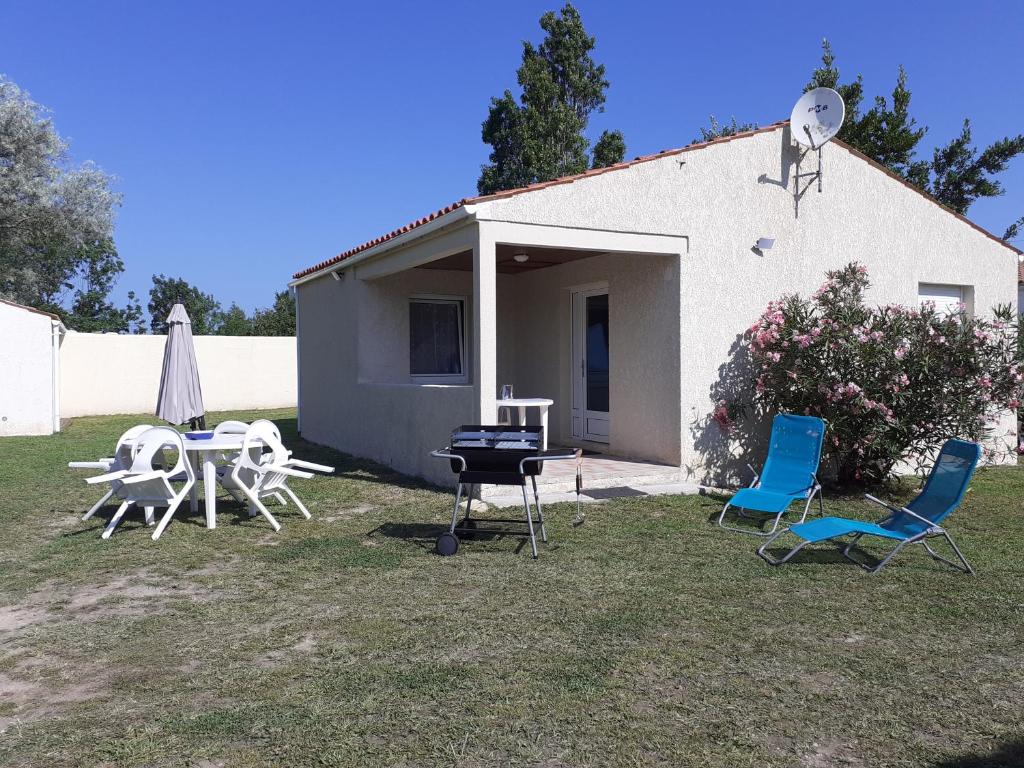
column 30, row 691
column 15, row 617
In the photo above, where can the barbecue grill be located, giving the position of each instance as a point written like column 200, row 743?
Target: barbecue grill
column 498, row 455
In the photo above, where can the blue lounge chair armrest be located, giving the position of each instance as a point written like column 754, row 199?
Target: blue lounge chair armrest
column 896, row 510
column 757, row 477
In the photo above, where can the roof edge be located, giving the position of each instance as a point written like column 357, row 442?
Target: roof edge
column 893, row 175
column 466, row 201
column 27, row 308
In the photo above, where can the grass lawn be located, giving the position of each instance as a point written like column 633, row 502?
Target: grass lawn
column 645, row 637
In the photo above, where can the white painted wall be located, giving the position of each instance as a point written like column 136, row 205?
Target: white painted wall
column 377, row 415
column 724, row 197
column 108, row 373
column 26, row 372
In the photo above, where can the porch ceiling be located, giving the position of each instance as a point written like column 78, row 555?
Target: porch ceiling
column 539, row 258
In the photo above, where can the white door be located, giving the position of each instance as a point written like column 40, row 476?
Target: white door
column 590, row 405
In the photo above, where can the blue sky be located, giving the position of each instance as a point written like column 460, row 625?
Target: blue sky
column 251, row 139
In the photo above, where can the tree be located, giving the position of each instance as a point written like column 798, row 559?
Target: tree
column 716, row 131
column 609, row 149
column 203, row 310
column 541, row 136
column 1013, row 231
column 279, row 320
column 56, row 221
column 234, row 322
column 957, row 174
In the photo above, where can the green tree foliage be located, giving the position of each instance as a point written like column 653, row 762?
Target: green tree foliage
column 957, row 174
column 715, row 130
column 203, row 310
column 234, row 322
column 1013, row 231
column 279, row 320
column 609, row 149
column 540, row 137
column 56, row 222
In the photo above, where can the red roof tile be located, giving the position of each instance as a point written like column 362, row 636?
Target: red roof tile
column 619, row 166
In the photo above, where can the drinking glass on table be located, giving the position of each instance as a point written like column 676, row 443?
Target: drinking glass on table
column 505, row 394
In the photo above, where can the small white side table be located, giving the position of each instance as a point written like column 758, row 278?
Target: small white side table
column 522, row 403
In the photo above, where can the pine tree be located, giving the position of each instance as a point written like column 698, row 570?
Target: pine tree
column 956, row 176
column 541, row 136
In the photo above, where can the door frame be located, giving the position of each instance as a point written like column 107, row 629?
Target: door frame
column 583, row 419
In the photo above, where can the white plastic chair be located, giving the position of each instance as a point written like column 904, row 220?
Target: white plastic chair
column 122, row 459
column 257, row 475
column 147, row 483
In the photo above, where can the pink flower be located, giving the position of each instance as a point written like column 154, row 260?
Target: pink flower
column 721, row 417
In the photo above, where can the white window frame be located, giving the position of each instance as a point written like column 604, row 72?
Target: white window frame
column 461, row 303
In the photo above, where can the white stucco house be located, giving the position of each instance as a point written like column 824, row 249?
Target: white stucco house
column 29, row 370
column 619, row 293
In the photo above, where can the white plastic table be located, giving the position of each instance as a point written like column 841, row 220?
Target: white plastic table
column 205, row 452
column 522, row 403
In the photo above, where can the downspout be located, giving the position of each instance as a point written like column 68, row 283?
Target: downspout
column 57, row 330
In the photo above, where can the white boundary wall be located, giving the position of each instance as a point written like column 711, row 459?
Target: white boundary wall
column 107, row 373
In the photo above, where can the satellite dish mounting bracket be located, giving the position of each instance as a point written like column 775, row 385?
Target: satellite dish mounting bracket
column 810, row 174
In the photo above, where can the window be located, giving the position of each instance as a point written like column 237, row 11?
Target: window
column 437, row 349
column 946, row 298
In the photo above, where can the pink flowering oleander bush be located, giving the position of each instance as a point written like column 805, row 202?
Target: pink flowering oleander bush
column 892, row 382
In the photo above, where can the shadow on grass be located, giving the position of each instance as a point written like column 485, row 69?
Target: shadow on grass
column 229, row 512
column 424, row 535
column 1009, row 755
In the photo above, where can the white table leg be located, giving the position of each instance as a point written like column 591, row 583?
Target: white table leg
column 193, row 493
column 543, row 409
column 210, row 489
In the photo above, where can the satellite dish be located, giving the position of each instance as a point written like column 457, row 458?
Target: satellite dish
column 817, row 117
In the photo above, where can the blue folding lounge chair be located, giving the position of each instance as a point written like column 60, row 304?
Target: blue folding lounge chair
column 912, row 524
column 789, row 473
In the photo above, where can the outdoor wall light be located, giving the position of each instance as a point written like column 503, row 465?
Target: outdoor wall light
column 521, row 258
column 765, row 243
column 338, row 274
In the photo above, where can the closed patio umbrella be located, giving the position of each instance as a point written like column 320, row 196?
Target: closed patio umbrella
column 181, row 398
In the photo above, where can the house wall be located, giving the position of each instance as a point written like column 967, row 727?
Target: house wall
column 723, row 198
column 105, row 373
column 643, row 297
column 354, row 390
column 26, row 381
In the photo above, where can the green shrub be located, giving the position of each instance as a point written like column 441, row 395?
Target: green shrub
column 892, row 382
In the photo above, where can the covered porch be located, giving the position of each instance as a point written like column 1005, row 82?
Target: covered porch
column 588, row 319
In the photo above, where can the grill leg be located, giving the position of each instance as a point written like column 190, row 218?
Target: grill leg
column 540, row 510
column 529, row 521
column 469, row 499
column 455, row 509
